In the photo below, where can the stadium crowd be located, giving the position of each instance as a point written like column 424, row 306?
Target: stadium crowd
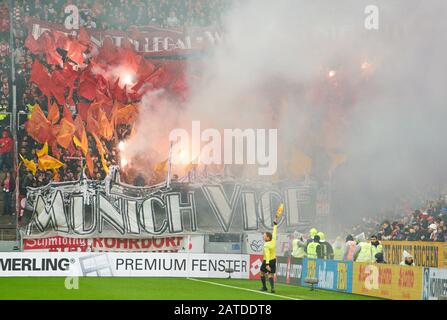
column 118, row 14
column 423, row 224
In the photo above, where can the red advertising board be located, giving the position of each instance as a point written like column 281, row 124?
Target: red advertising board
column 58, row 243
column 255, row 266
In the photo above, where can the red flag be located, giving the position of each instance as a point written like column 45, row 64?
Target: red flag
column 82, row 109
column 145, row 69
column 105, row 127
column 129, row 58
column 108, row 52
column 65, row 133
column 32, row 44
column 65, row 77
column 53, row 113
column 49, row 47
column 67, row 115
column 79, row 125
column 75, row 51
column 180, row 87
column 38, row 126
column 92, row 125
column 39, row 75
column 87, row 89
column 55, row 150
column 58, row 91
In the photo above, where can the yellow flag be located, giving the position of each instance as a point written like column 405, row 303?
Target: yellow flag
column 336, row 160
column 43, row 151
column 104, row 164
column 300, row 164
column 161, row 166
column 47, row 162
column 279, row 211
column 101, row 153
column 83, row 144
column 30, row 165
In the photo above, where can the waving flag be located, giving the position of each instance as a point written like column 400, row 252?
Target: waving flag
column 44, row 151
column 53, row 113
column 105, row 127
column 40, row 76
column 38, row 126
column 65, row 134
column 47, row 162
column 299, row 164
column 125, row 115
column 67, row 115
column 101, row 153
column 161, row 166
column 82, row 142
column 30, row 165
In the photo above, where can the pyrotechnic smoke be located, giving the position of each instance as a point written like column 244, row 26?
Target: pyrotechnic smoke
column 312, row 70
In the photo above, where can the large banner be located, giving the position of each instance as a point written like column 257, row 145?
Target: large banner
column 149, row 41
column 331, row 274
column 166, row 244
column 110, row 209
column 388, row 281
column 435, row 283
column 426, row 254
column 75, row 264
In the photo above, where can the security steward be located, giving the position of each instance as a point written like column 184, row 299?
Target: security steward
column 314, row 250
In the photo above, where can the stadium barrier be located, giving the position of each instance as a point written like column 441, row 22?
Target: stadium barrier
column 426, row 254
column 123, row 264
column 331, row 274
column 388, row 281
column 377, row 280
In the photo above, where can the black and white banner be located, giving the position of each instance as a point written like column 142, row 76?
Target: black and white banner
column 113, row 264
column 109, row 208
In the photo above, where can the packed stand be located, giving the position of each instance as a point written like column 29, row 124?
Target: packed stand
column 122, row 14
column 424, row 224
column 93, row 14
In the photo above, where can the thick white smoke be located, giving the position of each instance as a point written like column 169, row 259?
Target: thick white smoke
column 276, row 57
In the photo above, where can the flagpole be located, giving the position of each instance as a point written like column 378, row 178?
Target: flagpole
column 168, row 180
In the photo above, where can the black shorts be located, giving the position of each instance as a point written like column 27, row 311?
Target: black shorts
column 272, row 264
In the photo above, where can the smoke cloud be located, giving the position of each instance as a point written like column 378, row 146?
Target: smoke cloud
column 330, row 86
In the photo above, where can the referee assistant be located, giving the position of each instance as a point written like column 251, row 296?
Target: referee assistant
column 269, row 264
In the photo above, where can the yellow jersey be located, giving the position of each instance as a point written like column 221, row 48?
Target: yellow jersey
column 270, row 247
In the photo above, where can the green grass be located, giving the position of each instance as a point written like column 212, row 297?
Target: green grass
column 156, row 289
